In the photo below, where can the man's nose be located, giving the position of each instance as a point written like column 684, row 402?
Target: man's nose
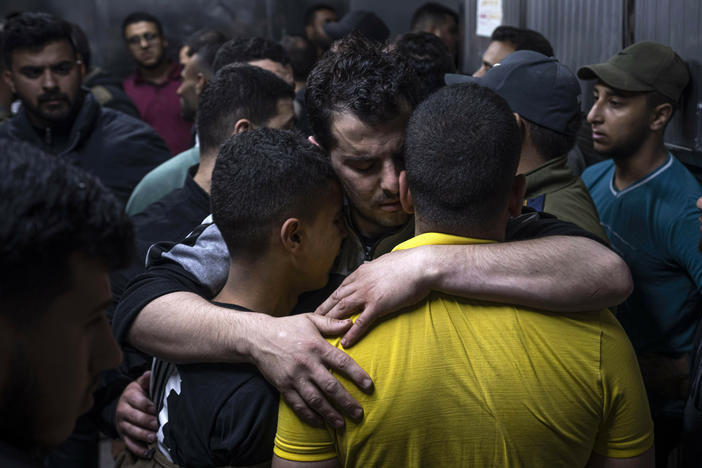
column 390, row 178
column 143, row 43
column 594, row 115
column 48, row 80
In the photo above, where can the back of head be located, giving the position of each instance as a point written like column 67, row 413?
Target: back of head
column 31, row 30
column 141, row 16
column 313, row 9
column 461, row 154
column 50, row 211
column 237, row 91
column 248, row 49
column 429, row 14
column 359, row 77
column 429, row 57
column 261, row 178
column 204, row 37
column 523, row 39
column 302, row 53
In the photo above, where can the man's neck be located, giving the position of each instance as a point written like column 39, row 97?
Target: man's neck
column 650, row 155
column 261, row 286
column 529, row 159
column 203, row 176
column 369, row 231
column 157, row 74
column 494, row 231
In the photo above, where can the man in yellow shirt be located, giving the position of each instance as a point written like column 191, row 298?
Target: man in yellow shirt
column 460, row 382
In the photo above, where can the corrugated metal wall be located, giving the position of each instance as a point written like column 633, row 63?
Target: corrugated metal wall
column 677, row 23
column 591, row 31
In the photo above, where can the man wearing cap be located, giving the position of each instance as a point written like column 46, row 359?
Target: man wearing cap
column 646, row 200
column 545, row 97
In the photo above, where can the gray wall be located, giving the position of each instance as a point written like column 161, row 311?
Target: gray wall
column 581, row 31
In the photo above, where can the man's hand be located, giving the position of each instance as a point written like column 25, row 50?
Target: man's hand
column 385, row 285
column 135, row 416
column 292, row 354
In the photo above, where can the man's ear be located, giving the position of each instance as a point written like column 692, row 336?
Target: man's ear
column 516, row 198
column 200, row 83
column 291, row 235
column 660, row 116
column 241, row 126
column 7, row 76
column 405, row 194
column 81, row 66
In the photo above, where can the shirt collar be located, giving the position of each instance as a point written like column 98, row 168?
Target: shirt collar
column 438, row 238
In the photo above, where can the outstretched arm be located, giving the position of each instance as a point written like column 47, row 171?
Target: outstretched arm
column 557, row 273
column 289, row 351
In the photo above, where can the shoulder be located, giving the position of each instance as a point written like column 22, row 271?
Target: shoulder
column 595, row 173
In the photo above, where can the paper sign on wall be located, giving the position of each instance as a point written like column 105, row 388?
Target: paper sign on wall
column 489, row 14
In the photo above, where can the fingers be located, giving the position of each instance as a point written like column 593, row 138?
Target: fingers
column 359, row 328
column 137, row 417
column 144, row 381
column 328, row 326
column 314, row 398
column 136, row 434
column 136, row 398
column 332, row 302
column 301, row 409
column 339, row 361
column 138, row 449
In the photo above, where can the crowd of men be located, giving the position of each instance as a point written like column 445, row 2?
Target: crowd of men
column 338, row 251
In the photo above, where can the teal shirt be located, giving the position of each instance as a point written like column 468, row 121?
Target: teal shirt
column 653, row 225
column 162, row 180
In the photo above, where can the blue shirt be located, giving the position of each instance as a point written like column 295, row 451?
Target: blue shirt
column 653, row 225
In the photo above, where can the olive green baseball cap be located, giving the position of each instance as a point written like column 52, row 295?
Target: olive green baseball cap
column 644, row 66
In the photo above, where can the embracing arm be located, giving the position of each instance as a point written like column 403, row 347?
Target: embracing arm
column 558, row 273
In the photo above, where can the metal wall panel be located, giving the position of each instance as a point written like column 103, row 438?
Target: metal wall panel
column 512, row 14
column 678, row 24
column 101, row 20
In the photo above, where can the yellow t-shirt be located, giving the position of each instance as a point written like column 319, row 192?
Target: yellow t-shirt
column 468, row 383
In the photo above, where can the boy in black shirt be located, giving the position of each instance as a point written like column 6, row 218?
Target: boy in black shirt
column 278, row 204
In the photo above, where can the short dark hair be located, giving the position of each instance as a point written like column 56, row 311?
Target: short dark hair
column 312, row 11
column 204, row 58
column 551, row 144
column 237, row 91
column 261, row 178
column 248, row 49
column 461, row 154
column 81, row 43
column 33, row 29
column 203, row 37
column 523, row 39
column 138, row 17
column 429, row 57
column 71, row 212
column 358, row 76
column 302, row 53
column 431, row 12
column 655, row 99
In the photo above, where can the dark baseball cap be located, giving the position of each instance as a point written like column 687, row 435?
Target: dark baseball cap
column 642, row 67
column 537, row 87
column 367, row 23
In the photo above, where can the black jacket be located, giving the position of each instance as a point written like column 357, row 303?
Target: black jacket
column 107, row 89
column 113, row 146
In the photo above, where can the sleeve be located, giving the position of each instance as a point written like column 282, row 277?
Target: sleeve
column 297, row 441
column 686, row 242
column 626, row 429
column 243, row 431
column 533, row 224
column 199, row 264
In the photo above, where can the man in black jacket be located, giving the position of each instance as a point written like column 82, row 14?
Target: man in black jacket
column 45, row 72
